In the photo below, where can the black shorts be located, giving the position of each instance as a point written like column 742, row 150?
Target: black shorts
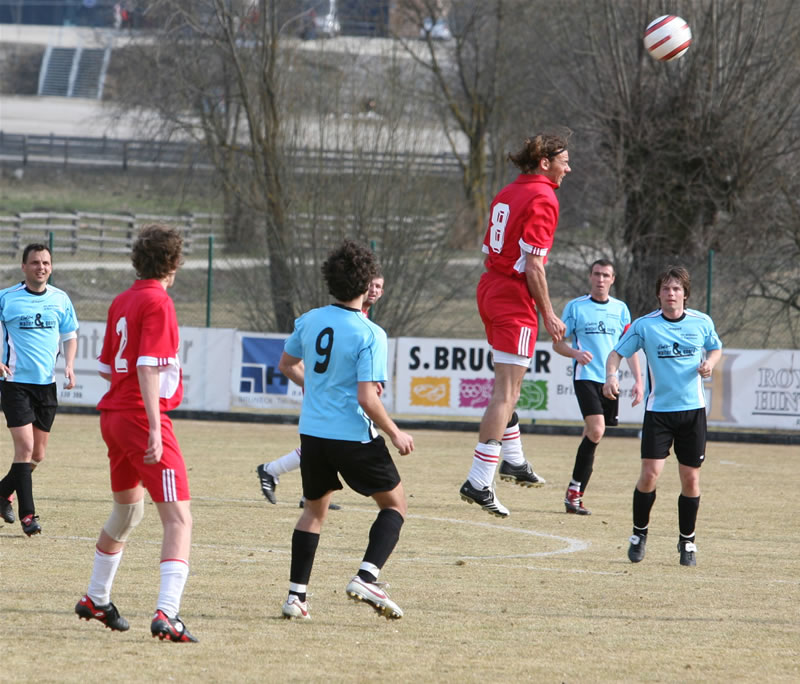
column 24, row 403
column 366, row 467
column 594, row 403
column 685, row 429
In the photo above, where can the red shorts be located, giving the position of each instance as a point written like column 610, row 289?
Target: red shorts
column 125, row 434
column 508, row 313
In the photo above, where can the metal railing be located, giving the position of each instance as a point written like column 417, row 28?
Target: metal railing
column 72, row 151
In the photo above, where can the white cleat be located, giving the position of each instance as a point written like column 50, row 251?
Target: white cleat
column 294, row 608
column 373, row 594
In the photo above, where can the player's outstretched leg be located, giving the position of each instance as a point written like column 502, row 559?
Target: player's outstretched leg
column 108, row 614
column 172, row 629
column 375, row 595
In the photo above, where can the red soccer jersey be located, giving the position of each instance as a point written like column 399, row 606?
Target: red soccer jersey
column 141, row 330
column 522, row 220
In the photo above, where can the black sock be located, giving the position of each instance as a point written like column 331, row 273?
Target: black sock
column 687, row 516
column 642, row 503
column 304, row 548
column 8, row 484
column 584, row 463
column 383, row 536
column 24, row 488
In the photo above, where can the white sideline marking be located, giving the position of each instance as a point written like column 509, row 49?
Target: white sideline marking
column 573, row 545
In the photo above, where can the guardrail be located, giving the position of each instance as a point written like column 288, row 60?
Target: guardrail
column 94, row 233
column 71, row 151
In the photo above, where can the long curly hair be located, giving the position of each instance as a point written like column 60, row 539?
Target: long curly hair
column 536, row 148
column 348, row 270
column 157, row 251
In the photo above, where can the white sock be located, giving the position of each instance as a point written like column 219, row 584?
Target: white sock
column 103, row 571
column 285, row 463
column 174, row 573
column 512, row 446
column 574, row 486
column 484, row 464
column 371, row 568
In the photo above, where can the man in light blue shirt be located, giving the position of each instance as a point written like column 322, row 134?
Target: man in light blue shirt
column 37, row 320
column 339, row 357
column 682, row 347
column 595, row 322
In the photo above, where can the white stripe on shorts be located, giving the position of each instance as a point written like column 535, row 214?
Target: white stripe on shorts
column 524, row 341
column 168, row 485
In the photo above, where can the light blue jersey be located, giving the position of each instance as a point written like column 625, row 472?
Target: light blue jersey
column 595, row 327
column 674, row 351
column 34, row 324
column 340, row 347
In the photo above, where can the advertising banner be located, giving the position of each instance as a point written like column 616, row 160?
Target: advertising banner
column 454, row 377
column 205, row 356
column 257, row 383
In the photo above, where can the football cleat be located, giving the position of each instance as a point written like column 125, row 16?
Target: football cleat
column 573, row 502
column 108, row 614
column 688, row 550
column 30, row 525
column 7, row 511
column 637, row 547
column 294, row 608
column 373, row 594
column 268, row 483
column 331, row 506
column 173, row 629
column 522, row 475
column 485, row 498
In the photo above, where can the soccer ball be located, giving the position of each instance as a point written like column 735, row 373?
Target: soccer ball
column 667, row 38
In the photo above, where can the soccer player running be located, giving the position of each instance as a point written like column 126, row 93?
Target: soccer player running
column 595, row 322
column 140, row 359
column 38, row 318
column 269, row 473
column 682, row 348
column 512, row 292
column 339, row 357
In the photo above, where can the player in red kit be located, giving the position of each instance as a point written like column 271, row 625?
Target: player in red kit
column 512, row 292
column 140, row 359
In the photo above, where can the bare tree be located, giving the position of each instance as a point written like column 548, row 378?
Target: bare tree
column 293, row 148
column 674, row 152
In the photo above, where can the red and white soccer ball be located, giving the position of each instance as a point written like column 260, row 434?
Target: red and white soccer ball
column 667, row 38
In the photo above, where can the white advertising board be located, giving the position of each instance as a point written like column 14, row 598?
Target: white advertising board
column 205, row 356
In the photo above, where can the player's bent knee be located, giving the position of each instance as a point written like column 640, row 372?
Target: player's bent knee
column 123, row 519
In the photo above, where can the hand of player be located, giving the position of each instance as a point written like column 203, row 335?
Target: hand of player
column 637, row 393
column 584, row 358
column 611, row 387
column 69, row 374
column 704, row 369
column 404, row 442
column 155, row 449
column 555, row 327
column 5, row 371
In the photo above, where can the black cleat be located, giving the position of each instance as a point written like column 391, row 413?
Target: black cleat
column 573, row 502
column 485, row 498
column 30, row 525
column 688, row 551
column 636, row 549
column 331, row 506
column 268, row 483
column 172, row 629
column 108, row 615
column 7, row 511
column 522, row 475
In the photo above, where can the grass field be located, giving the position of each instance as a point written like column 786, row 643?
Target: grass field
column 542, row 596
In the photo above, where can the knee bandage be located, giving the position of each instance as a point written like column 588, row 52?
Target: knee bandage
column 123, row 518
